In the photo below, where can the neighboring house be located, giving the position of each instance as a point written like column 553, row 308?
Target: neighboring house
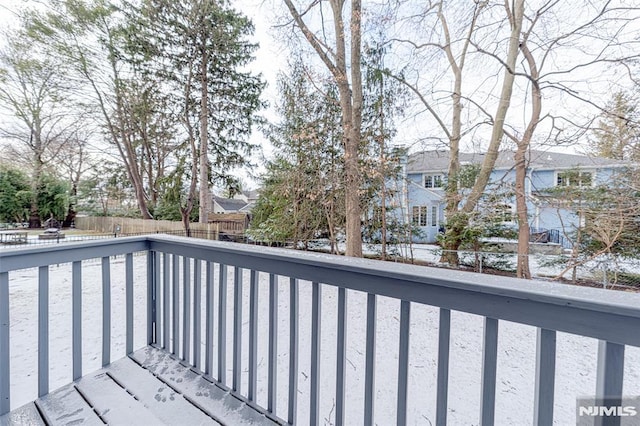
column 426, row 177
column 240, row 203
column 227, row 205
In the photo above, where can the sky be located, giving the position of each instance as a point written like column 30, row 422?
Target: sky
column 272, row 58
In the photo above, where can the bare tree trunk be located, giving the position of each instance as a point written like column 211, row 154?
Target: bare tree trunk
column 204, row 142
column 454, row 231
column 350, row 104
column 457, row 218
column 523, row 270
column 34, row 214
column 503, row 106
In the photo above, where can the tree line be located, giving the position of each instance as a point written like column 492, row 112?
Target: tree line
column 162, row 84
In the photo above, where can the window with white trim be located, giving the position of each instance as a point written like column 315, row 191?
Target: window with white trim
column 574, row 178
column 419, row 216
column 433, row 181
column 504, row 213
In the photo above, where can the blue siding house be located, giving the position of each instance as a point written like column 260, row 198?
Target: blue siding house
column 426, row 176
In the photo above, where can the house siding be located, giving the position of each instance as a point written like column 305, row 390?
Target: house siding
column 542, row 214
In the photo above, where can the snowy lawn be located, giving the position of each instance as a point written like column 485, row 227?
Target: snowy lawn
column 576, row 356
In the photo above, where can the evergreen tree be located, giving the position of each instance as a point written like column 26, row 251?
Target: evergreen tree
column 303, row 188
column 200, row 50
column 617, row 134
column 15, row 195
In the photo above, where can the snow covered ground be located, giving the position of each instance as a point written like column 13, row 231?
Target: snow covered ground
column 576, row 356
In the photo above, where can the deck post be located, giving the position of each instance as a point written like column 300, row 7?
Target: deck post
column 151, row 298
column 370, row 361
column 76, row 292
column 609, row 379
column 129, row 301
column 43, row 330
column 273, row 344
column 4, row 343
column 314, row 409
column 253, row 335
column 106, row 311
column 293, row 349
column 489, row 369
column 545, row 377
column 444, row 342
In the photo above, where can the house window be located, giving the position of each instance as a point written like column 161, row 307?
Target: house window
column 574, row 178
column 434, row 215
column 419, row 216
column 433, row 181
column 503, row 213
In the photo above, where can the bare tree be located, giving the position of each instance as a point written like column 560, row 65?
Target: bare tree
column 74, row 161
column 608, row 19
column 73, row 32
column 32, row 91
column 341, row 66
column 455, row 48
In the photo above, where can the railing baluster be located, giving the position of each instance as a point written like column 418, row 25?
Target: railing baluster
column 43, row 330
column 222, row 326
column 106, row 311
column 442, row 392
column 129, row 302
column 253, row 336
column 370, row 361
column 166, row 292
column 186, row 308
column 610, row 376
column 237, row 329
column 341, row 355
column 197, row 313
column 273, row 342
column 314, row 411
column 157, row 294
column 4, row 343
column 76, row 295
column 489, row 368
column 545, row 377
column 208, row 355
column 176, row 305
column 403, row 361
column 151, row 297
column 293, row 350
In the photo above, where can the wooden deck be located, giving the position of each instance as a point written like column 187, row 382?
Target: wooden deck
column 150, row 387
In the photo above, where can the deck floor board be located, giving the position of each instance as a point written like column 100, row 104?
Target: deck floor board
column 168, row 405
column 25, row 415
column 113, row 403
column 66, row 406
column 218, row 403
column 151, row 387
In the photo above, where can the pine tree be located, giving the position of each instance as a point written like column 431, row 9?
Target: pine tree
column 617, row 134
column 199, row 49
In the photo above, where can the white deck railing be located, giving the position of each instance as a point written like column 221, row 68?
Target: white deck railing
column 187, row 309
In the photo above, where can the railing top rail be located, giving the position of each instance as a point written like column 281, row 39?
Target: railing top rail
column 608, row 315
column 604, row 314
column 547, row 291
